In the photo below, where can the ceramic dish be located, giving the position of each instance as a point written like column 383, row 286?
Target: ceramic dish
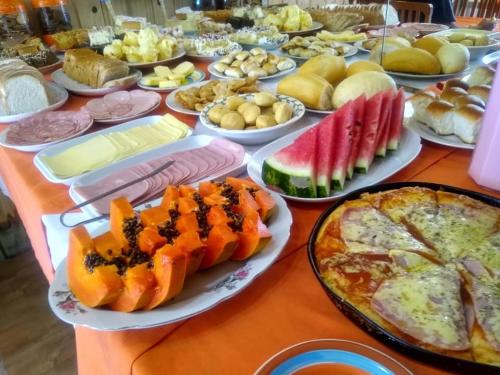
column 195, row 141
column 381, row 169
column 399, row 342
column 60, row 147
column 352, row 50
column 316, row 26
column 177, row 107
column 204, row 58
column 41, row 146
column 331, row 356
column 430, row 135
column 491, row 59
column 57, row 98
column 80, row 89
column 441, row 76
column 148, row 65
column 254, row 136
column 265, row 46
column 320, row 111
column 202, row 290
column 476, row 52
column 196, row 76
column 215, row 73
column 50, row 68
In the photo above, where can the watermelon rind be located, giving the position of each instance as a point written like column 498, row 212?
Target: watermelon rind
column 290, row 179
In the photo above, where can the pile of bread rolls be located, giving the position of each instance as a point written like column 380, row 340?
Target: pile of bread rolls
column 459, row 109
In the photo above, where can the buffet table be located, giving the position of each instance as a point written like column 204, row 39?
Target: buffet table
column 285, row 306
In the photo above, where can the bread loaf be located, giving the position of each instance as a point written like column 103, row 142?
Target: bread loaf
column 22, row 88
column 90, row 68
column 467, row 121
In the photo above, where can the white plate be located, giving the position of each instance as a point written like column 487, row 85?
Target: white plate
column 205, row 58
column 115, row 121
column 202, row 290
column 50, row 68
column 430, row 135
column 265, row 46
column 320, row 111
column 178, row 55
column 215, row 73
column 491, row 58
column 256, row 136
column 38, row 147
column 429, row 76
column 190, row 80
column 352, row 50
column 316, row 26
column 382, row 168
column 196, row 141
column 359, row 46
column 80, row 89
column 57, row 97
column 60, row 147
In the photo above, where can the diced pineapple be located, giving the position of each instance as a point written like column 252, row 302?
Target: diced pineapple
column 151, row 80
column 184, row 69
column 163, row 71
column 165, row 83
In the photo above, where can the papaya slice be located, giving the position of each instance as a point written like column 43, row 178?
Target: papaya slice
column 149, row 240
column 190, row 243
column 107, row 246
column 241, row 183
column 220, row 245
column 266, row 203
column 207, row 188
column 217, row 216
column 154, row 216
column 187, row 223
column 253, row 237
column 169, row 268
column 170, row 198
column 186, row 191
column 187, row 205
column 246, row 203
column 98, row 286
column 215, row 200
column 123, row 222
column 139, row 283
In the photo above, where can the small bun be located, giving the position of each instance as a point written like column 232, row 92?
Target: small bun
column 467, row 121
column 419, row 101
column 455, row 82
column 482, row 75
column 451, row 93
column 464, row 100
column 483, row 91
column 438, row 117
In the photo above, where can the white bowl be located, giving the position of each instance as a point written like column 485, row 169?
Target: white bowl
column 476, row 52
column 256, row 136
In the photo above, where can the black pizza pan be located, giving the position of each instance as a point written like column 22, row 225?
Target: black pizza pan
column 457, row 365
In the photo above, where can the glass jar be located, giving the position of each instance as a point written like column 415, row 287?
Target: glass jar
column 14, row 20
column 53, row 15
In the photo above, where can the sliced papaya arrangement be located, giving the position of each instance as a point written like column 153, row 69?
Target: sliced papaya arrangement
column 144, row 259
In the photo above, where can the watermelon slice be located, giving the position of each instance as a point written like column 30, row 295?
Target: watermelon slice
column 324, row 154
column 367, row 145
column 397, row 115
column 384, row 123
column 292, row 168
column 344, row 123
column 359, row 105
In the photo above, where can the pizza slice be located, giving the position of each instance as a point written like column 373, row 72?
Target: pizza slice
column 425, row 305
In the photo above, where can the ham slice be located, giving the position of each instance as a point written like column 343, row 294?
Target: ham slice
column 416, row 303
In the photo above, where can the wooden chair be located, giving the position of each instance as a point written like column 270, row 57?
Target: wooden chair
column 477, row 8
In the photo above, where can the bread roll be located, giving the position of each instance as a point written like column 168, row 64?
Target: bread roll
column 419, row 102
column 482, row 75
column 483, row 91
column 439, row 117
column 464, row 100
column 451, row 93
column 467, row 121
column 455, row 82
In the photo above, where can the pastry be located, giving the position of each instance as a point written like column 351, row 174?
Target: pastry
column 88, row 67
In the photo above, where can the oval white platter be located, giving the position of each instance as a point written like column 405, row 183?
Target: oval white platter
column 215, row 73
column 382, row 168
column 196, row 76
column 316, row 26
column 429, row 76
column 352, row 50
column 430, row 135
column 256, row 136
column 80, row 89
column 60, row 147
column 359, row 46
column 121, row 120
column 178, row 54
column 202, row 290
column 57, row 97
column 38, row 147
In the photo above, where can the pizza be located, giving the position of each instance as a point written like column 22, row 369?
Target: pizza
column 422, row 264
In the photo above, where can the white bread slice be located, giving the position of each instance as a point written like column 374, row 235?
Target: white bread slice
column 24, row 93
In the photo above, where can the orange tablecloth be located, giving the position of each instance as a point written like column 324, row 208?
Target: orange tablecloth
column 283, row 307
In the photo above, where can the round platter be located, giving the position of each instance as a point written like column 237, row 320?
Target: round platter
column 50, row 68
column 398, row 342
column 196, row 76
column 429, row 76
column 351, row 51
column 80, row 89
column 320, row 111
column 57, row 97
column 177, row 56
column 430, row 135
column 265, row 46
column 173, row 105
column 316, row 26
column 331, row 356
column 202, row 291
column 215, row 73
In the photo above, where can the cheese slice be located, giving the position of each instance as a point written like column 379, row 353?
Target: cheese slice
column 425, row 305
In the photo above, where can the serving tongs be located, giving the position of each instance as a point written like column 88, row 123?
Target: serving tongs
column 100, row 196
